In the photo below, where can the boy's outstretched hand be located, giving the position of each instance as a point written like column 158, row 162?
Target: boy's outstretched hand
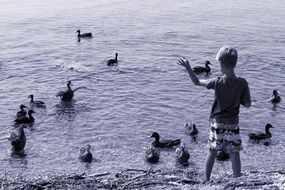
column 184, row 62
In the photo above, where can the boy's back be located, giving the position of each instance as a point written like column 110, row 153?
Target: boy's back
column 229, row 94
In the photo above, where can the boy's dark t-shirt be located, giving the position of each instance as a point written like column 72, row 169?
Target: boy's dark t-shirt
column 229, row 94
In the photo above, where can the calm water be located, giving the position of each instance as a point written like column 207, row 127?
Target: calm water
column 120, row 107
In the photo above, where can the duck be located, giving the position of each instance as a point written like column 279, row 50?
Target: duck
column 84, row 35
column 275, row 98
column 200, row 69
column 36, row 103
column 260, row 135
column 22, row 113
column 68, row 94
column 152, row 155
column 28, row 120
column 222, row 155
column 182, row 154
column 113, row 61
column 85, row 155
column 164, row 143
column 191, row 129
column 18, row 141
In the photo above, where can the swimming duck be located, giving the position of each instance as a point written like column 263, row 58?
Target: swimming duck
column 182, row 154
column 37, row 103
column 260, row 135
column 68, row 94
column 222, row 155
column 85, row 155
column 22, row 113
column 200, row 69
column 275, row 98
column 191, row 129
column 25, row 119
column 152, row 155
column 164, row 143
column 84, row 35
column 113, row 61
column 18, row 141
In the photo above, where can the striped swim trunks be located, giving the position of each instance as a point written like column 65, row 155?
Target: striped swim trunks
column 225, row 137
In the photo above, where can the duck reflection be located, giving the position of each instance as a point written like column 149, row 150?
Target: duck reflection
column 66, row 109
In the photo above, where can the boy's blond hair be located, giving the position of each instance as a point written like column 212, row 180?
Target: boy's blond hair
column 227, row 56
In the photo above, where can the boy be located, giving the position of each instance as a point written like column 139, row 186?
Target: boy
column 230, row 92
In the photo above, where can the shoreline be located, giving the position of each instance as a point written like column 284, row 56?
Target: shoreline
column 153, row 178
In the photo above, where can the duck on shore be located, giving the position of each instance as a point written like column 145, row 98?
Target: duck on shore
column 113, row 61
column 182, row 154
column 275, row 98
column 84, row 35
column 163, row 143
column 152, row 155
column 26, row 120
column 18, row 140
column 191, row 129
column 36, row 103
column 85, row 155
column 200, row 69
column 260, row 135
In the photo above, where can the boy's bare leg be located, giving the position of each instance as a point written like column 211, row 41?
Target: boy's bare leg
column 236, row 165
column 210, row 160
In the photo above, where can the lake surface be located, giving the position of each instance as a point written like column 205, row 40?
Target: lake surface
column 121, row 106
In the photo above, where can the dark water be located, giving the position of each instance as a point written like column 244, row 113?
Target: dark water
column 121, row 106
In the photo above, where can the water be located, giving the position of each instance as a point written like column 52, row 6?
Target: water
column 121, row 106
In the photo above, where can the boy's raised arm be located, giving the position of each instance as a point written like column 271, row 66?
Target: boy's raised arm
column 185, row 63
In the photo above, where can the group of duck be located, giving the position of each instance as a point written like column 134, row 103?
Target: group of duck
column 182, row 155
column 152, row 154
column 24, row 119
